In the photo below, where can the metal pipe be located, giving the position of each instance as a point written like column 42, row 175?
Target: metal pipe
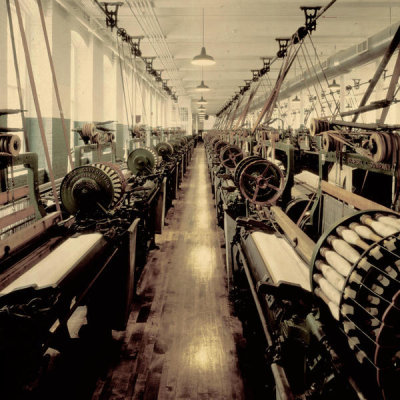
column 299, row 240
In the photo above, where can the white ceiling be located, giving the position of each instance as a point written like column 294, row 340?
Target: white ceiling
column 239, row 32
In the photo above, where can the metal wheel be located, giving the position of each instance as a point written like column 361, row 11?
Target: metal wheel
column 377, row 147
column 90, row 187
column 239, row 168
column 318, row 126
column 164, row 149
column 219, row 145
column 142, row 161
column 230, row 156
column 261, row 182
column 176, row 145
column 295, row 208
column 328, row 143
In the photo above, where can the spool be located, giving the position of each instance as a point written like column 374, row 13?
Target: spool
column 89, row 129
column 327, row 142
column 370, row 298
column 10, row 144
column 318, row 125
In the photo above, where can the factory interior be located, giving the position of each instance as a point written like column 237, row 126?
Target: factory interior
column 199, row 200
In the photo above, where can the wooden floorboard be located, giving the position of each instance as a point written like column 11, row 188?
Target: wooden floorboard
column 179, row 343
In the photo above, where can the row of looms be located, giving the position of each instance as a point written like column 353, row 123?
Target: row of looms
column 90, row 253
column 161, row 238
column 313, row 265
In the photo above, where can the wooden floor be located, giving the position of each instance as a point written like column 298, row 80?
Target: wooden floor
column 179, row 343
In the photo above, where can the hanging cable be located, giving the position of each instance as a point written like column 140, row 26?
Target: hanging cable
column 323, row 72
column 122, row 81
column 125, row 68
column 55, row 85
column 17, row 75
column 36, row 101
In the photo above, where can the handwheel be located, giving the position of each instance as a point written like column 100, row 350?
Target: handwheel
column 230, row 156
column 219, row 145
column 242, row 164
column 261, row 182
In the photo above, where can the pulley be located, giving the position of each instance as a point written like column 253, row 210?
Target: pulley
column 261, row 182
column 380, row 146
column 164, row 149
column 318, row 126
column 88, row 129
column 142, row 161
column 89, row 188
column 10, row 144
column 327, row 142
column 230, row 156
column 96, row 134
column 355, row 270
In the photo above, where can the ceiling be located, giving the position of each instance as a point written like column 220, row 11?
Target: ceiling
column 239, row 32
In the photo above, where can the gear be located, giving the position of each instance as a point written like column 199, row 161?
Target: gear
column 142, row 161
column 89, row 187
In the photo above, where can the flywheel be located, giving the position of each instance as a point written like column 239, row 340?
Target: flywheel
column 142, row 161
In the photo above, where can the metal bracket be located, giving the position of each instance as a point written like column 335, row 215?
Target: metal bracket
column 256, row 74
column 356, row 83
column 149, row 63
column 267, row 66
column 121, row 32
column 111, row 11
column 310, row 13
column 135, row 46
column 283, row 45
column 158, row 77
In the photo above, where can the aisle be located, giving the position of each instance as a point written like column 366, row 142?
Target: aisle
column 179, row 343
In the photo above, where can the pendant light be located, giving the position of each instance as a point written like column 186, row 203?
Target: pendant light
column 202, row 87
column 203, row 58
column 202, row 101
